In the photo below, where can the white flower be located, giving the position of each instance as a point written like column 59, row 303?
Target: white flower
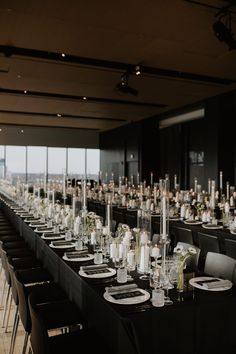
column 192, row 250
column 178, row 249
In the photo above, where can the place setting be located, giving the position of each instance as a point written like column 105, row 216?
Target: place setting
column 78, row 256
column 61, row 244
column 192, row 222
column 126, row 294
column 52, row 236
column 211, row 283
column 44, row 229
column 97, row 271
column 212, row 226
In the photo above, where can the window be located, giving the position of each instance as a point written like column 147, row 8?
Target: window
column 76, row 163
column 56, row 164
column 2, row 161
column 16, row 163
column 93, row 163
column 36, row 164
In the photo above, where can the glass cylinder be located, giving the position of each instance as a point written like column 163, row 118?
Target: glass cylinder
column 164, row 210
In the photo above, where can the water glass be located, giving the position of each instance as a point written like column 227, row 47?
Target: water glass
column 158, row 297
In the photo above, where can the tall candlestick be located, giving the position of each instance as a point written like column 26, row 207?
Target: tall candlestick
column 175, row 181
column 64, row 186
column 84, row 194
column 151, row 179
column 227, row 190
column 195, row 185
column 138, row 181
column 209, row 186
column 45, row 183
column 53, row 197
column 221, row 180
column 164, row 216
column 213, row 195
column 132, row 180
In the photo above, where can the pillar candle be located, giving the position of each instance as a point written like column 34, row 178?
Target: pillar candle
column 221, row 179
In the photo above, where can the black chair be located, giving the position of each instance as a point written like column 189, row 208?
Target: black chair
column 207, row 243
column 221, row 266
column 230, row 247
column 71, row 342
column 182, row 234
column 58, row 312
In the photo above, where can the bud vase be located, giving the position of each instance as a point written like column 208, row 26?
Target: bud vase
column 180, row 277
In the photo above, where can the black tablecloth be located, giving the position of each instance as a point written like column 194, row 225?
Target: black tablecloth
column 204, row 322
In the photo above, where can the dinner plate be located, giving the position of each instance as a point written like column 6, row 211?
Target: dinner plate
column 212, row 226
column 195, row 284
column 30, row 220
column 128, row 297
column 82, row 258
column 192, row 222
column 45, row 230
column 233, row 231
column 72, row 244
column 52, row 237
column 174, row 218
column 37, row 225
column 98, row 275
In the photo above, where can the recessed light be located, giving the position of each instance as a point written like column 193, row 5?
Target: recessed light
column 22, row 131
column 0, row 129
column 18, row 76
column 58, row 115
column 63, row 55
column 84, row 98
column 25, row 91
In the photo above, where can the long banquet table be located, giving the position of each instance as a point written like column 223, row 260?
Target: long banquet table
column 198, row 322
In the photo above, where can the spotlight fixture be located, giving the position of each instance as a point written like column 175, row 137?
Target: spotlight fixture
column 123, row 86
column 224, row 33
column 137, row 70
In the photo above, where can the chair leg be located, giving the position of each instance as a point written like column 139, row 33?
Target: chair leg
column 8, row 315
column 5, row 307
column 14, row 331
column 25, row 343
column 3, row 292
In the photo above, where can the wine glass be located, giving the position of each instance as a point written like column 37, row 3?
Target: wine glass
column 155, row 278
column 166, row 284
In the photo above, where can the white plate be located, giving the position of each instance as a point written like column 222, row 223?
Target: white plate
column 44, row 231
column 192, row 222
column 37, row 225
column 212, row 226
column 30, row 220
column 233, row 231
column 129, row 300
column 78, row 259
column 99, row 275
column 62, row 246
column 174, row 219
column 202, row 287
column 59, row 237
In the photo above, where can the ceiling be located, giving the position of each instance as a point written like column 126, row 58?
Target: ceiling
column 181, row 60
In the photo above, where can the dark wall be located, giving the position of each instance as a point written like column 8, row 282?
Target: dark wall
column 199, row 148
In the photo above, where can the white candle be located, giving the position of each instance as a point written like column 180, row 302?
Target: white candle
column 84, row 194
column 144, row 237
column 53, row 197
column 209, row 186
column 164, row 217
column 137, row 178
column 155, row 252
column 195, row 185
column 227, row 190
column 221, row 179
column 175, row 181
column 64, row 186
column 73, row 205
column 151, row 179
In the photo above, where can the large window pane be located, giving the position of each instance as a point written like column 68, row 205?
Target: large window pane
column 2, row 161
column 93, row 163
column 76, row 163
column 56, row 164
column 36, row 164
column 16, row 163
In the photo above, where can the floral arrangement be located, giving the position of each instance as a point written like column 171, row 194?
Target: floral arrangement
column 121, row 230
column 91, row 221
column 182, row 254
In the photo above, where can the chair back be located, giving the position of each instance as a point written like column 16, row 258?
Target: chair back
column 183, row 235
column 39, row 335
column 219, row 265
column 23, row 302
